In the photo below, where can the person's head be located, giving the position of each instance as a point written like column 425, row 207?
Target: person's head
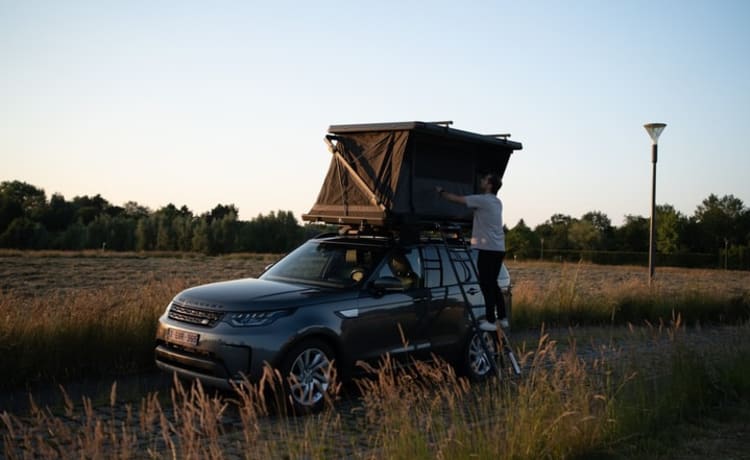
column 399, row 264
column 490, row 183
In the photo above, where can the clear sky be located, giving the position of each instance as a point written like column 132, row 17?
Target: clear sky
column 202, row 103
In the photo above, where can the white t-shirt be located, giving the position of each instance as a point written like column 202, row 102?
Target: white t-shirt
column 487, row 230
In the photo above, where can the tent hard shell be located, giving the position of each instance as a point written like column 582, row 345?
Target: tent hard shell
column 385, row 174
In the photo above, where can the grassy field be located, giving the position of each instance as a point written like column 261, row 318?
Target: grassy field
column 68, row 315
column 71, row 315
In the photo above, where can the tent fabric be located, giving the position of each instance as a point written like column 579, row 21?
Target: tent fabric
column 386, row 174
column 376, row 159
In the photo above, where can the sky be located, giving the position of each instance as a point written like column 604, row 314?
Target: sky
column 204, row 103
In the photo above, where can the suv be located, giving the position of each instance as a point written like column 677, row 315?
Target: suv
column 335, row 300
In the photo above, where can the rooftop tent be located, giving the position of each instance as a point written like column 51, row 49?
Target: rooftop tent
column 385, row 174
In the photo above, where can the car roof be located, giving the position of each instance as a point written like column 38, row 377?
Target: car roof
column 384, row 241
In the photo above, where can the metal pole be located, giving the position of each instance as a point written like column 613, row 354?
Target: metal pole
column 652, row 236
column 726, row 253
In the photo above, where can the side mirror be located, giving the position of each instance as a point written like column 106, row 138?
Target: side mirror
column 387, row 284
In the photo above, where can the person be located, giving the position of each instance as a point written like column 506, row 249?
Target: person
column 488, row 238
column 401, row 268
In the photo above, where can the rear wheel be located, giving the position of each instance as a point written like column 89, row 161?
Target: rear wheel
column 477, row 365
column 309, row 376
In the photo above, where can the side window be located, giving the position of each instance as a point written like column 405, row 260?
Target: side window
column 435, row 265
column 405, row 265
column 464, row 264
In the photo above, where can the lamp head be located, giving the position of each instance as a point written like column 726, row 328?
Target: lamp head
column 654, row 130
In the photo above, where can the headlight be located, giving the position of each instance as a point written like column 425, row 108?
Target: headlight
column 258, row 318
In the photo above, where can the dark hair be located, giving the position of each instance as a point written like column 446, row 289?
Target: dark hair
column 494, row 181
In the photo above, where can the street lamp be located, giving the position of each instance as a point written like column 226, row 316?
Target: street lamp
column 654, row 130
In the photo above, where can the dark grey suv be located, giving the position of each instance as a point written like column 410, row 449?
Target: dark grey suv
column 334, row 301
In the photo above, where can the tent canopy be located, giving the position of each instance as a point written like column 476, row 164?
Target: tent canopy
column 385, row 174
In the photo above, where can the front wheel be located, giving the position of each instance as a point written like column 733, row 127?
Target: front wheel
column 309, row 376
column 477, row 364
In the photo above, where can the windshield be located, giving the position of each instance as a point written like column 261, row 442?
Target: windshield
column 327, row 263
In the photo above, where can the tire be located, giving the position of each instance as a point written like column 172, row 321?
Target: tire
column 476, row 364
column 309, row 376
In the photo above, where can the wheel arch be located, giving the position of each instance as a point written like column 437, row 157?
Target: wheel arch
column 325, row 335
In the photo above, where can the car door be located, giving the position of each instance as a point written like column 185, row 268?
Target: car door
column 386, row 321
column 447, row 318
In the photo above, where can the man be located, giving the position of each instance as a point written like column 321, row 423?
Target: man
column 488, row 238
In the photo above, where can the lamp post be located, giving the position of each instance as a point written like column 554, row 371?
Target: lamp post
column 654, row 130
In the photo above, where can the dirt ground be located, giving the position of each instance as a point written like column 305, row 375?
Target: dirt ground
column 592, row 277
column 34, row 274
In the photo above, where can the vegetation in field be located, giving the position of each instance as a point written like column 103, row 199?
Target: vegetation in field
column 83, row 334
column 564, row 407
column 91, row 332
column 567, row 301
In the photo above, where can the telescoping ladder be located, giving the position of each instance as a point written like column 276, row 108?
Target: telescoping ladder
column 461, row 254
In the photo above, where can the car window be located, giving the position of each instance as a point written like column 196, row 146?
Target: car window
column 438, row 270
column 404, row 264
column 433, row 266
column 327, row 263
column 464, row 262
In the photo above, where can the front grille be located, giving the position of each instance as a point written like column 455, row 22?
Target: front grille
column 206, row 318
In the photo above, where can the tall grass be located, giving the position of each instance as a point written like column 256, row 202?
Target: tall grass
column 83, row 333
column 66, row 335
column 566, row 301
column 565, row 407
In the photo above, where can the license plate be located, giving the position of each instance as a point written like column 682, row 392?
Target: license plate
column 183, row 337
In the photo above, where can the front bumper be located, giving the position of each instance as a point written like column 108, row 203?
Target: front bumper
column 223, row 354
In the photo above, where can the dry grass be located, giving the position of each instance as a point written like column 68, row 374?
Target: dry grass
column 64, row 316
column 67, row 315
column 573, row 294
column 565, row 407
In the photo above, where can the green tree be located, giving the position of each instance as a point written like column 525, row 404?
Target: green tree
column 604, row 229
column 183, row 228
column 521, row 241
column 24, row 233
column 202, row 240
column 145, row 234
column 583, row 235
column 74, row 237
column 221, row 211
column 135, row 210
column 224, row 233
column 669, row 228
column 166, row 236
column 633, row 235
column 19, row 199
column 60, row 214
column 555, row 231
column 719, row 221
column 88, row 208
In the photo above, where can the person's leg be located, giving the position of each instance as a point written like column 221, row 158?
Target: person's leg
column 488, row 283
column 497, row 266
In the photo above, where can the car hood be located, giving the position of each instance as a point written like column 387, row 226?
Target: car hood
column 253, row 294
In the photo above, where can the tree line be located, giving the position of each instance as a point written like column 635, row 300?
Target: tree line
column 29, row 221
column 716, row 235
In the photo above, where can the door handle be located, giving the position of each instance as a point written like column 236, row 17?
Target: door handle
column 472, row 291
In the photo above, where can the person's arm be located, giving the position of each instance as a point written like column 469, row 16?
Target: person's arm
column 450, row 196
